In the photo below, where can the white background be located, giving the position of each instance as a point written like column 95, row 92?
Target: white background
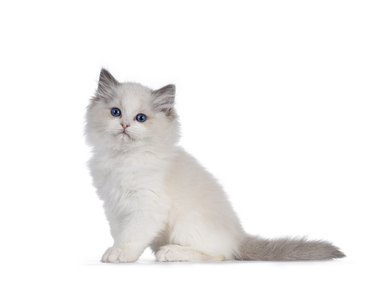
column 276, row 99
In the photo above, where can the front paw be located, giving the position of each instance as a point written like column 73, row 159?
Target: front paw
column 116, row 255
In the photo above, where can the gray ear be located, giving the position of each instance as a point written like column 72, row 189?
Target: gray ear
column 164, row 98
column 106, row 83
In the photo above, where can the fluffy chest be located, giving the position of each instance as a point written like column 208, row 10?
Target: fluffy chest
column 121, row 174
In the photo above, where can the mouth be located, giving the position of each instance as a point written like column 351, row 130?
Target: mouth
column 124, row 135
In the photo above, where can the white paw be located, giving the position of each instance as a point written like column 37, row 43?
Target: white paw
column 167, row 253
column 181, row 253
column 116, row 255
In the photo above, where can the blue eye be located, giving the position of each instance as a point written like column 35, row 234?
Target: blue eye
column 116, row 112
column 141, row 117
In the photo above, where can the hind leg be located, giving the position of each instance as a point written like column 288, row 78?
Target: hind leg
column 173, row 252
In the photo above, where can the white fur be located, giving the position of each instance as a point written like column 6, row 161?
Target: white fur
column 155, row 194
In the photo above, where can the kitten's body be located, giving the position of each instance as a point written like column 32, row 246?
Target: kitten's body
column 155, row 194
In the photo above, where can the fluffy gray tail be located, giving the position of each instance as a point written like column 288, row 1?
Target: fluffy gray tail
column 286, row 249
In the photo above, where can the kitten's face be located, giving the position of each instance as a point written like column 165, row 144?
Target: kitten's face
column 125, row 115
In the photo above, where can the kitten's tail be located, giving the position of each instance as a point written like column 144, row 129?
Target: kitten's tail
column 286, row 249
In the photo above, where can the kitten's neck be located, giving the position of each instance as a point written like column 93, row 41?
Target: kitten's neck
column 127, row 150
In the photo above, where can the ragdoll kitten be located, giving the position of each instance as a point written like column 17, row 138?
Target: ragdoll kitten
column 155, row 194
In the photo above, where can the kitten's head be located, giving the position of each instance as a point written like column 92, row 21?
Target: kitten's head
column 128, row 115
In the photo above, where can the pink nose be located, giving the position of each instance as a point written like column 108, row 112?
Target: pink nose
column 124, row 126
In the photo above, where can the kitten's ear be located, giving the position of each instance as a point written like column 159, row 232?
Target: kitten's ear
column 164, row 98
column 106, row 84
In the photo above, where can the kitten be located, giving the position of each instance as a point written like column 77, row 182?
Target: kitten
column 155, row 194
